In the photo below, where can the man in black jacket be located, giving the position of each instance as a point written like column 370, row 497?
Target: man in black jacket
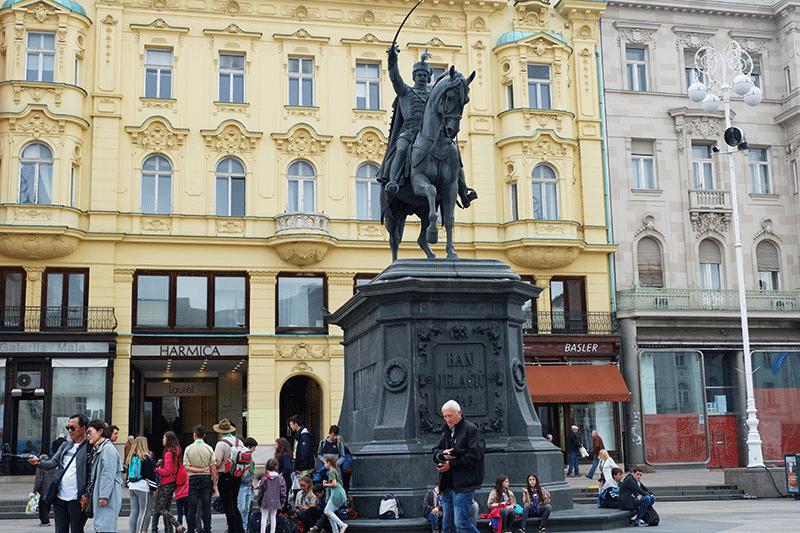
column 303, row 447
column 459, row 459
column 71, row 461
column 573, row 445
column 634, row 496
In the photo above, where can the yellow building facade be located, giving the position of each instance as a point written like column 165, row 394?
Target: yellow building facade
column 186, row 186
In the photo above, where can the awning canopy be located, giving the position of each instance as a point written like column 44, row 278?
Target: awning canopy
column 576, row 384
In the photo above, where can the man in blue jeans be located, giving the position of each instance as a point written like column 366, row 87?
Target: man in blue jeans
column 459, row 459
column 200, row 464
column 573, row 445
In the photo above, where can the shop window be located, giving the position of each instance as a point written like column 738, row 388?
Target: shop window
column 768, row 262
column 673, row 404
column 597, row 416
column 648, row 254
column 568, row 305
column 190, row 301
column 368, row 193
column 66, row 297
column 230, row 188
column 36, row 174
column 79, row 386
column 41, row 57
column 722, row 392
column 776, row 385
column 12, row 294
column 300, row 303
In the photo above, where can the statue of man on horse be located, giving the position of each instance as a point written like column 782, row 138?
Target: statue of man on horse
column 422, row 170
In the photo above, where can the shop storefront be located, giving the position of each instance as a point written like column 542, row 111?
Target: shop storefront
column 43, row 384
column 576, row 381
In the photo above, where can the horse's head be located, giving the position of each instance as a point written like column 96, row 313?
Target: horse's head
column 450, row 95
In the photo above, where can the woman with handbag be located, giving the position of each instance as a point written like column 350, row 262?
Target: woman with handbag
column 142, row 484
column 168, row 468
column 65, row 491
column 106, row 496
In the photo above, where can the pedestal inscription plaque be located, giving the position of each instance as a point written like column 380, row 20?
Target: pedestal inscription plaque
column 424, row 332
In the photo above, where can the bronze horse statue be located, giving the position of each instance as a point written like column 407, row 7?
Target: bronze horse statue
column 434, row 169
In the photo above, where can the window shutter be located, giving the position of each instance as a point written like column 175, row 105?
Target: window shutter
column 710, row 253
column 649, row 256
column 767, row 257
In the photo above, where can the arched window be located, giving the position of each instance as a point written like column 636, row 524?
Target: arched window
column 710, row 265
column 156, row 185
column 36, row 174
column 301, row 183
column 368, row 193
column 230, row 188
column 545, row 193
column 648, row 254
column 768, row 266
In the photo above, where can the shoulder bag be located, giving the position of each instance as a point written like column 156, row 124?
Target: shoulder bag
column 52, row 489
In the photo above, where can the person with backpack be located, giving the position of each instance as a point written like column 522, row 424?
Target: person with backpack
column 331, row 445
column 227, row 483
column 609, row 492
column 271, row 496
column 303, row 447
column 334, row 494
column 142, row 484
column 634, row 496
column 245, row 498
column 168, row 468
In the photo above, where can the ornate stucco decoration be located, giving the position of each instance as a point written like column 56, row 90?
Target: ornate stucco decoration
column 368, row 17
column 766, row 229
column 693, row 36
column 696, row 123
column 230, row 226
column 30, row 214
column 530, row 254
column 301, row 238
column 369, row 143
column 703, row 222
column 157, row 134
column 636, row 32
column 648, row 226
column 36, row 91
column 301, row 139
column 530, row 15
column 303, row 351
column 37, row 246
column 156, row 224
column 440, row 52
column 230, row 137
column 288, row 42
column 37, row 121
column 159, row 26
column 754, row 42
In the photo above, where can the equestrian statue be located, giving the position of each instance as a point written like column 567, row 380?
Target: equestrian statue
column 422, row 168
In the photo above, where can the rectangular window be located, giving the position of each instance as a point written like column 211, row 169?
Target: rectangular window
column 41, row 57
column 301, row 194
column 12, row 293
column 642, row 156
column 788, row 76
column 368, row 86
column 300, row 303
column 231, row 78
column 759, row 171
column 710, row 277
column 777, row 396
column 157, row 73
column 545, row 200
column 512, row 190
column 568, row 305
column 190, row 301
column 690, row 72
column 795, row 179
column 368, row 200
column 539, row 86
column 230, row 196
column 72, row 178
column 702, row 166
column 436, row 73
column 755, row 74
column 77, row 71
column 636, row 67
column 674, row 407
column 509, row 96
column 301, row 81
column 66, row 296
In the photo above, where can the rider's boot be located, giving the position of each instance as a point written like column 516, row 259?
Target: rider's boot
column 392, row 189
column 466, row 194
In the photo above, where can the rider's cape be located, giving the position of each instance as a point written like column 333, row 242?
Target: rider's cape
column 395, row 127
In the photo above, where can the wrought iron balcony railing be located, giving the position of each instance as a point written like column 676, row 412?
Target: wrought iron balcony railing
column 561, row 323
column 691, row 299
column 50, row 319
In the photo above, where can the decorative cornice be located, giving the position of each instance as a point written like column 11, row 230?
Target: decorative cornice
column 368, row 143
column 235, row 31
column 301, row 139
column 159, row 25
column 157, row 133
column 703, row 222
column 230, row 137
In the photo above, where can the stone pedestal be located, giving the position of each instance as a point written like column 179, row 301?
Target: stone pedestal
column 423, row 332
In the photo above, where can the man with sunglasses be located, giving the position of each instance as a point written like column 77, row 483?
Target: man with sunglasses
column 71, row 460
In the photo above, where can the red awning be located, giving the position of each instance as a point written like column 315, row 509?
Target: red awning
column 576, row 384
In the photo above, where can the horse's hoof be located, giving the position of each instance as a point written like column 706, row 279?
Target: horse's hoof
column 452, row 255
column 432, row 236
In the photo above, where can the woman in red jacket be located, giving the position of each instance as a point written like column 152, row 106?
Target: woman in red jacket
column 167, row 469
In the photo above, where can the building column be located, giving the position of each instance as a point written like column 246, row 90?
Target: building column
column 33, row 296
column 634, row 418
column 340, row 290
column 263, row 383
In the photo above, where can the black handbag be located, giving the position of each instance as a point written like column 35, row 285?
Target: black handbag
column 51, row 493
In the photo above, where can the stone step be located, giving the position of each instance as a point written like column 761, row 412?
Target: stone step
column 586, row 495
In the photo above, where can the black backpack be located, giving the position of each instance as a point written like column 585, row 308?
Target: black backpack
column 651, row 517
column 286, row 524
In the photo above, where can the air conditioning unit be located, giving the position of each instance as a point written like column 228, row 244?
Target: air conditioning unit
column 783, row 304
column 29, row 380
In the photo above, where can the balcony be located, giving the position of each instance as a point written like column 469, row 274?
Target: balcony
column 57, row 319
column 302, row 238
column 560, row 323
column 709, row 200
column 659, row 299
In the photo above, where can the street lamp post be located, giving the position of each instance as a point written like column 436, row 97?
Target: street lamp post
column 725, row 72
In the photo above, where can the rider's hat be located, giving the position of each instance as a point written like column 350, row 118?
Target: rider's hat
column 422, row 63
